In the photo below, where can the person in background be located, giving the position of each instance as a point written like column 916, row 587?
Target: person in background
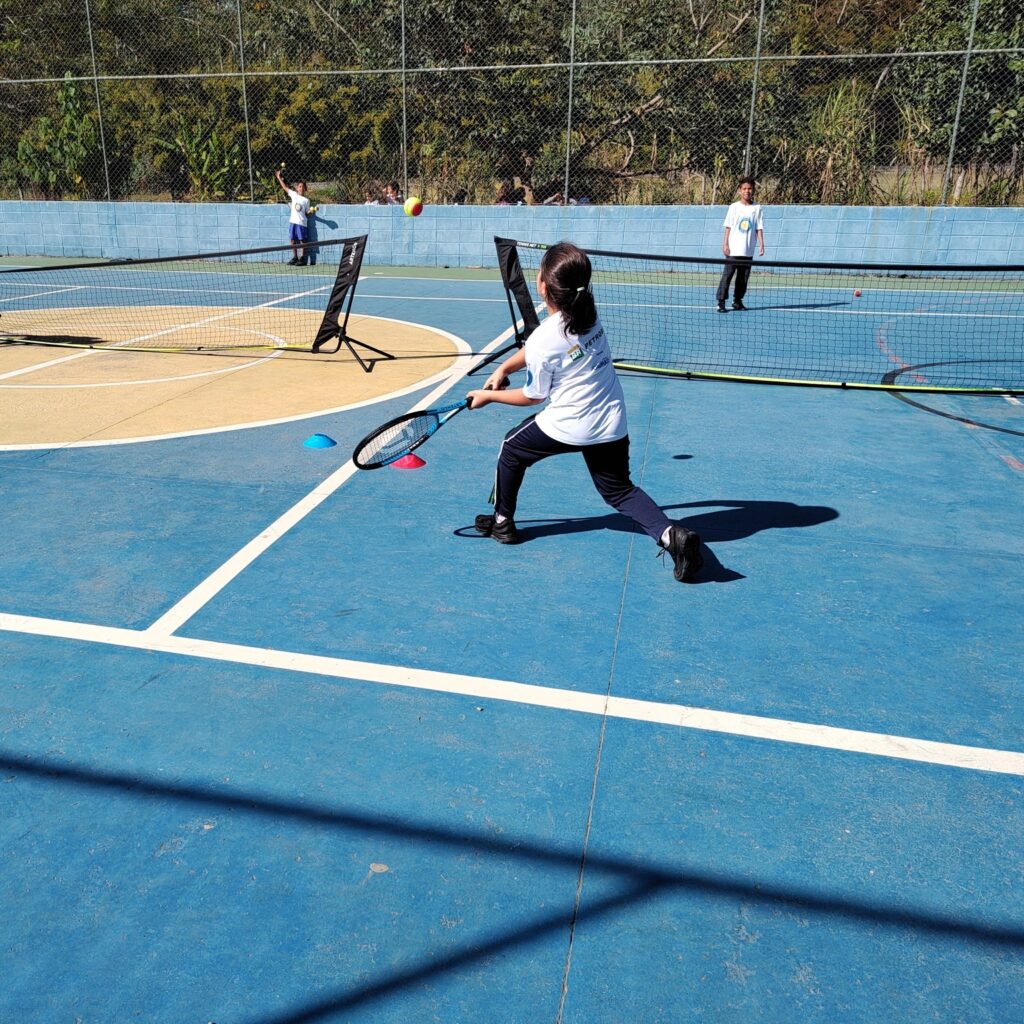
column 743, row 232
column 393, row 194
column 298, row 219
column 370, row 197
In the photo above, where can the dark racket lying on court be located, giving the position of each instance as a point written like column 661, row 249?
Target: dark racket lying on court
column 403, row 435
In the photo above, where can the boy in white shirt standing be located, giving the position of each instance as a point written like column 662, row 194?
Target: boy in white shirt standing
column 743, row 229
column 298, row 219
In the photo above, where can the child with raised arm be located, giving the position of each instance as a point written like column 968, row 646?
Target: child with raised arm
column 568, row 364
column 298, row 219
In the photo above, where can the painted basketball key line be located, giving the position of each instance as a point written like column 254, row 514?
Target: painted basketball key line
column 680, row 716
column 43, row 366
column 172, row 329
column 463, row 356
column 80, row 386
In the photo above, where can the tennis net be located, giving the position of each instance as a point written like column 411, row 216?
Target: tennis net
column 900, row 327
column 205, row 302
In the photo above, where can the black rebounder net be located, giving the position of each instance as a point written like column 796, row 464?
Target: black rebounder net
column 900, row 327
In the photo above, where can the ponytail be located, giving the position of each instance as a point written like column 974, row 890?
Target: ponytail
column 565, row 271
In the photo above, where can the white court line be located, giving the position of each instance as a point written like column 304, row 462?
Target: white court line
column 778, row 284
column 815, row 311
column 464, row 356
column 142, row 381
column 192, row 602
column 48, row 363
column 679, row 716
column 40, row 295
column 423, row 298
column 159, row 334
column 121, row 288
column 234, row 291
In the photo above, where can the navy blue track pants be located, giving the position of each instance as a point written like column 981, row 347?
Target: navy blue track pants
column 608, row 463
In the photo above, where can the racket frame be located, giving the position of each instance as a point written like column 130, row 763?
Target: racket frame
column 441, row 414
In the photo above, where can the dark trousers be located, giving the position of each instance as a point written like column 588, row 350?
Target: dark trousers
column 608, row 463
column 740, row 266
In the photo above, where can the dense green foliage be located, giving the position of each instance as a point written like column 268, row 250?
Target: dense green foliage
column 641, row 101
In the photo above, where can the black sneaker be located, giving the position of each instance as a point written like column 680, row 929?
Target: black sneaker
column 302, row 262
column 293, row 261
column 503, row 533
column 721, row 308
column 739, row 306
column 684, row 547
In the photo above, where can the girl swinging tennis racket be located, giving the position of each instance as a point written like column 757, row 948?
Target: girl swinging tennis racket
column 568, row 362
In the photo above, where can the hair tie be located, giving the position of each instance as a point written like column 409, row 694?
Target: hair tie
column 581, row 287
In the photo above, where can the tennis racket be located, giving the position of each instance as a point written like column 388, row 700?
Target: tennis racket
column 399, row 437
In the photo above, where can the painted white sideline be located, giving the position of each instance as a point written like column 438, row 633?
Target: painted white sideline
column 680, row 716
column 191, row 603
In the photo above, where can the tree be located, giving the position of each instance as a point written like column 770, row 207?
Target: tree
column 61, row 153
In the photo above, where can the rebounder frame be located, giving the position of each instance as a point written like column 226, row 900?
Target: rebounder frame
column 339, row 307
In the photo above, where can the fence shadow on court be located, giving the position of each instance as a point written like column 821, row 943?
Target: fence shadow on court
column 637, row 881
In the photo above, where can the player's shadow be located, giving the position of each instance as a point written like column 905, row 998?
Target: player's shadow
column 730, row 520
column 313, row 234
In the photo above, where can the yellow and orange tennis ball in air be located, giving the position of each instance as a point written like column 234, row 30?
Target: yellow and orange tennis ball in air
column 413, row 206
column 856, row 293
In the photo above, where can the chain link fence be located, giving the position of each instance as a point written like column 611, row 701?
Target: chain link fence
column 638, row 102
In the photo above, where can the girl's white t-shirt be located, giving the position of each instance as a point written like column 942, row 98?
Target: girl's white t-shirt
column 585, row 400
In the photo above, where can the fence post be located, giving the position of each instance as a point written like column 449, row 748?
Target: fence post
column 959, row 104
column 99, row 104
column 568, row 124
column 405, row 125
column 753, row 92
column 245, row 100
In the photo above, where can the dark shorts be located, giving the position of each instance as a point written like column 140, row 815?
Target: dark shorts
column 296, row 232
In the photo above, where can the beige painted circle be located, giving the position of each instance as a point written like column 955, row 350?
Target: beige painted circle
column 59, row 396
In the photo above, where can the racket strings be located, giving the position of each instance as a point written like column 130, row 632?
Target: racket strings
column 396, row 440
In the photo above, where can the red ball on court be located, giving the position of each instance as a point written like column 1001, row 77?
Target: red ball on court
column 413, row 206
column 856, row 293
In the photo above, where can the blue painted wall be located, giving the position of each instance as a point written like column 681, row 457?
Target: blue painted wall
column 462, row 235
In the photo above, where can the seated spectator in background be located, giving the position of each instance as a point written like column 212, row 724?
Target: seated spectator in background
column 393, row 194
column 555, row 199
column 504, row 197
column 460, row 197
column 518, row 196
column 370, row 197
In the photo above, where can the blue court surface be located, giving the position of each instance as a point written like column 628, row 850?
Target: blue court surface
column 286, row 742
